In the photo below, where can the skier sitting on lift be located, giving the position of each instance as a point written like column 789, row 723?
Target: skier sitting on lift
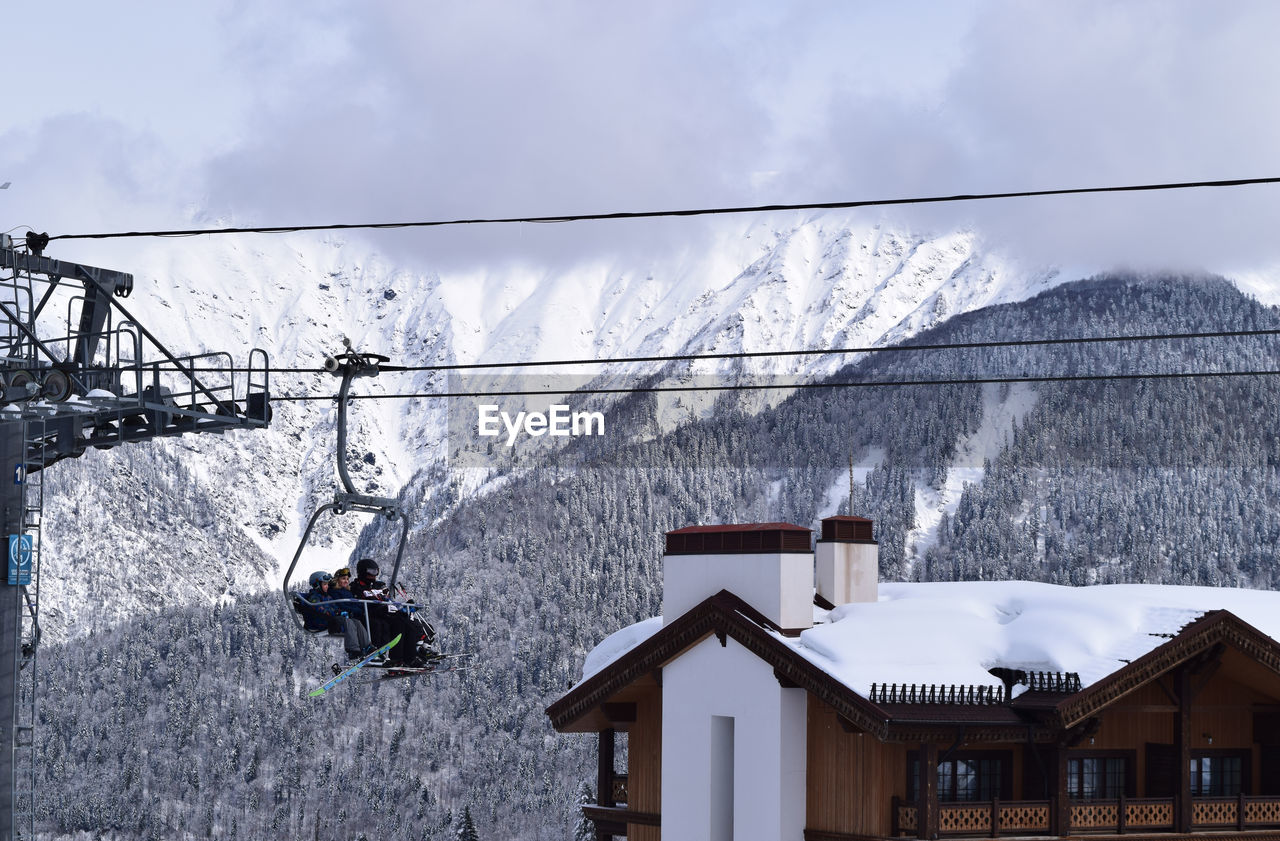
column 358, row 640
column 388, row 619
column 323, row 609
column 317, row 614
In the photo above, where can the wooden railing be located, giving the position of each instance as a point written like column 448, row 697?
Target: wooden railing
column 1127, row 814
column 988, row 819
column 613, row 820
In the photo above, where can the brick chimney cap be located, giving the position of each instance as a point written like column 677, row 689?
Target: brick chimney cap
column 740, row 539
column 740, row 527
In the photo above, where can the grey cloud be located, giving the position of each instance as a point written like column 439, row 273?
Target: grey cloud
column 1087, row 94
column 427, row 111
column 81, row 173
column 459, row 110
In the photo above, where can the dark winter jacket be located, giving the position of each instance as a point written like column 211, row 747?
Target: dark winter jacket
column 373, row 590
column 338, row 594
column 346, row 602
column 317, row 614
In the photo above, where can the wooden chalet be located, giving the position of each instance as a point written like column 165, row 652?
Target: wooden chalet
column 738, row 724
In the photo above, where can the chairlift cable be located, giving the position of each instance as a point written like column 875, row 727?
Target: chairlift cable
column 764, row 354
column 1177, row 375
column 654, row 214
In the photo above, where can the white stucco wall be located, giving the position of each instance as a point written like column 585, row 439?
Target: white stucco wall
column 847, row 572
column 779, row 585
column 768, row 746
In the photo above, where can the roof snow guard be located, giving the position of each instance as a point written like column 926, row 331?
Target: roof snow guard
column 893, row 693
column 751, row 538
column 1063, row 682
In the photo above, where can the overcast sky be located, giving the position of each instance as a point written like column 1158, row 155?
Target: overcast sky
column 130, row 115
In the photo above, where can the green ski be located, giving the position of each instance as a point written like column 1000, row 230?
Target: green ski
column 315, row 693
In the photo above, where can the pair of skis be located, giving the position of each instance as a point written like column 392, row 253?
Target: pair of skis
column 446, row 663
column 440, row 664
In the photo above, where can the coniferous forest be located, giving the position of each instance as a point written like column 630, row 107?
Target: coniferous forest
column 194, row 723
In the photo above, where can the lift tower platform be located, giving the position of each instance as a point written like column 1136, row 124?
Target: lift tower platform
column 77, row 370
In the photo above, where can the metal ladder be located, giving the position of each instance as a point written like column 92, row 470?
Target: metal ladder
column 24, row 734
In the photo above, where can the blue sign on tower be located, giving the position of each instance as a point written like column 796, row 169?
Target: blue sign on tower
column 20, row 552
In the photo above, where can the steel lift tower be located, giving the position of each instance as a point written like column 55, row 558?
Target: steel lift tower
column 78, row 371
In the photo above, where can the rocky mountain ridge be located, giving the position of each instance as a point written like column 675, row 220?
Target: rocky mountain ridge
column 194, row 521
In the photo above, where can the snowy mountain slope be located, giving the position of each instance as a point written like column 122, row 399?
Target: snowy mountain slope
column 533, row 576
column 817, row 282
column 1003, row 409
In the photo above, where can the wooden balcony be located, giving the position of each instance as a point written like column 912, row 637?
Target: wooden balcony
column 611, row 818
column 1145, row 815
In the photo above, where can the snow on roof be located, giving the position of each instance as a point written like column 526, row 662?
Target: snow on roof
column 619, row 643
column 952, row 632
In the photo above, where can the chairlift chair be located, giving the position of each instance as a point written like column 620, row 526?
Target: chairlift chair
column 348, row 366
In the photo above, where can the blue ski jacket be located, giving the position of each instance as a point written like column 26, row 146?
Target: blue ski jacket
column 317, row 614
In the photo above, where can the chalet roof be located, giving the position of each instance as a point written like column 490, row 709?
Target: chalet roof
column 725, row 615
column 1114, row 637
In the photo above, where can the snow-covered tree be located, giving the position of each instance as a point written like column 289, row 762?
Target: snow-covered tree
column 467, row 829
column 584, row 829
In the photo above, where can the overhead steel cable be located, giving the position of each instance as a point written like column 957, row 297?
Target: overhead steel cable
column 1177, row 375
column 656, row 214
column 759, row 354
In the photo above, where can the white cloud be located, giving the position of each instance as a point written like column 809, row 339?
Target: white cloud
column 322, row 112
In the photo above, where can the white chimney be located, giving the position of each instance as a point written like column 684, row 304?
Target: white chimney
column 767, row 565
column 847, row 561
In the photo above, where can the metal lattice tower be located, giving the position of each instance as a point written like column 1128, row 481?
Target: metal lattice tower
column 25, row 689
column 77, row 370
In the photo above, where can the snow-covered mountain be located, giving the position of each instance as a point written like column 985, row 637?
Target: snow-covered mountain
column 223, row 515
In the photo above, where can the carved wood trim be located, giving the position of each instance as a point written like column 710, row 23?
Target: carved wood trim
column 944, row 731
column 1200, row 636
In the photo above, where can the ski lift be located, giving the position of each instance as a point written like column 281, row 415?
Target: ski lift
column 349, row 366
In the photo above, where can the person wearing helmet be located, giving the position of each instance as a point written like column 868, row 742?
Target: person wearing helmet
column 323, row 609
column 367, row 585
column 391, row 618
column 317, row 614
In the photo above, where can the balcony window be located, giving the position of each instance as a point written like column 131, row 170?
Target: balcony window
column 966, row 778
column 1216, row 776
column 1097, row 777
